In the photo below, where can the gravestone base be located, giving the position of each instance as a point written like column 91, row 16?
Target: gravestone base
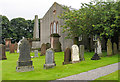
column 83, row 59
column 66, row 63
column 100, row 55
column 4, row 58
column 24, row 68
column 47, row 66
column 75, row 61
column 95, row 57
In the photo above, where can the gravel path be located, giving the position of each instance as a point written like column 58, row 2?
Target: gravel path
column 93, row 74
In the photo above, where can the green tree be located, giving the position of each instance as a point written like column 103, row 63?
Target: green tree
column 101, row 18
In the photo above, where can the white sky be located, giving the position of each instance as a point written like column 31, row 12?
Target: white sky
column 29, row 8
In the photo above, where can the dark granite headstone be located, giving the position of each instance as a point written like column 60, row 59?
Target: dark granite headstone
column 49, row 59
column 67, row 56
column 95, row 57
column 12, row 48
column 43, row 49
column 2, row 52
column 24, row 62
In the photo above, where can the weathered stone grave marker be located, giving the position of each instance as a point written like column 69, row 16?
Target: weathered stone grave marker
column 75, row 54
column 49, row 59
column 109, row 48
column 115, row 51
column 82, row 53
column 43, row 49
column 36, row 53
column 24, row 62
column 67, row 56
column 2, row 52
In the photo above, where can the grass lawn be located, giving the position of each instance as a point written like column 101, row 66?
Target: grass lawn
column 59, row 71
column 111, row 76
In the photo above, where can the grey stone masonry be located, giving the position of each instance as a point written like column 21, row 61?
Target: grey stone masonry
column 49, row 59
column 24, row 62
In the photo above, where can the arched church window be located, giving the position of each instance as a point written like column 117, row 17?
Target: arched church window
column 57, row 27
column 51, row 30
column 54, row 27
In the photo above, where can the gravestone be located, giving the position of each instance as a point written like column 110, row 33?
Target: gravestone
column 99, row 48
column 48, row 45
column 49, row 59
column 115, row 48
column 7, row 44
column 2, row 52
column 24, row 62
column 35, row 42
column 12, row 48
column 82, row 53
column 36, row 53
column 67, row 56
column 109, row 48
column 19, row 45
column 16, row 45
column 43, row 49
column 75, row 54
column 95, row 57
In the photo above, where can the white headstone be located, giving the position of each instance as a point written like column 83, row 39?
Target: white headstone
column 75, row 54
column 99, row 48
column 19, row 45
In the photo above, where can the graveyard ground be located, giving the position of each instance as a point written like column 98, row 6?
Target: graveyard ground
column 111, row 76
column 59, row 71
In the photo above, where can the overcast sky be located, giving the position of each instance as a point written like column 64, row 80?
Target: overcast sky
column 29, row 8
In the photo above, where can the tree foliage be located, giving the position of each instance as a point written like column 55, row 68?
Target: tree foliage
column 17, row 28
column 101, row 18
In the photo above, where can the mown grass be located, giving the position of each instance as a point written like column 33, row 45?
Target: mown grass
column 111, row 76
column 59, row 71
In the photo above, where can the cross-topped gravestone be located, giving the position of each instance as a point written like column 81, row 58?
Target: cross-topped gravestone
column 24, row 62
column 36, row 53
column 82, row 53
column 67, row 56
column 75, row 54
column 49, row 59
column 99, row 48
column 2, row 52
